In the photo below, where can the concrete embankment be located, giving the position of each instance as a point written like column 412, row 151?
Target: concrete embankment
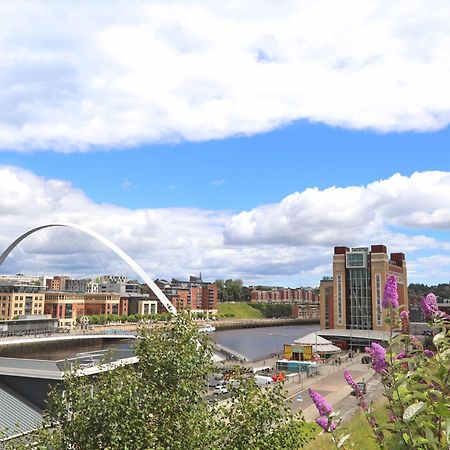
column 256, row 323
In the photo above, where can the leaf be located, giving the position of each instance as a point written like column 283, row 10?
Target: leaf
column 447, row 429
column 343, row 440
column 412, row 410
column 438, row 338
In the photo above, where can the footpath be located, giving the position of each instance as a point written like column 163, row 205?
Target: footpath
column 330, row 383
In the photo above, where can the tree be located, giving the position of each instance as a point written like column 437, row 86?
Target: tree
column 160, row 403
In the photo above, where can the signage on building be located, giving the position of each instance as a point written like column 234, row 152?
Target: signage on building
column 287, row 351
column 307, row 352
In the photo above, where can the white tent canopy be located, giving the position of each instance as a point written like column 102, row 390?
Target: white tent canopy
column 318, row 343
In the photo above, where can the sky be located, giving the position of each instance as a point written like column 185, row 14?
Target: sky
column 245, row 142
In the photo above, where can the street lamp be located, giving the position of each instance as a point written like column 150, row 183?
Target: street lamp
column 276, row 337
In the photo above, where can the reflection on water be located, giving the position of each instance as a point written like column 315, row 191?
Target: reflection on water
column 57, row 351
column 256, row 342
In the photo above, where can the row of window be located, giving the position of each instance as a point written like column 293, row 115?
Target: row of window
column 17, row 312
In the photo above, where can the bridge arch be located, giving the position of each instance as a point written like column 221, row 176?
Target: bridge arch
column 117, row 250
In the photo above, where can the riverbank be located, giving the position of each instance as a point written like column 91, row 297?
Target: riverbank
column 236, row 324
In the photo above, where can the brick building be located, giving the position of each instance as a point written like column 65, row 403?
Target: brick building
column 194, row 295
column 284, row 295
column 356, row 289
column 67, row 306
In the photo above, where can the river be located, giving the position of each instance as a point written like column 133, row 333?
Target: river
column 257, row 342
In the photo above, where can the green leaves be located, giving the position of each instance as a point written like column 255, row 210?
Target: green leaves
column 343, row 440
column 160, row 404
column 412, row 410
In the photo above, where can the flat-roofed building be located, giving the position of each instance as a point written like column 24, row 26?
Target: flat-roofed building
column 326, row 303
column 67, row 306
column 194, row 295
column 17, row 300
column 359, row 276
column 139, row 304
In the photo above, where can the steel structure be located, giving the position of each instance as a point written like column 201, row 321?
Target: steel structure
column 117, row 250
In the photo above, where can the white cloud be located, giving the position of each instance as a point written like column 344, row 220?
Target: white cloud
column 287, row 242
column 120, row 73
column 353, row 215
column 217, row 182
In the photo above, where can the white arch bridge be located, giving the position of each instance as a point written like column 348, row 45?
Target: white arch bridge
column 117, row 250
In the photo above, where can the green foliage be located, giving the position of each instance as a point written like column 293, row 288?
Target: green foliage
column 271, row 310
column 232, row 291
column 417, row 290
column 103, row 319
column 259, row 419
column 361, row 435
column 160, row 404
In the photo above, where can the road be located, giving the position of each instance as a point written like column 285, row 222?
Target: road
column 332, row 385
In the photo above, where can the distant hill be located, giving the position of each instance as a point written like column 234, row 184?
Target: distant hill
column 416, row 290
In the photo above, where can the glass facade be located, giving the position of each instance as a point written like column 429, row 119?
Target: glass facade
column 359, row 299
column 356, row 259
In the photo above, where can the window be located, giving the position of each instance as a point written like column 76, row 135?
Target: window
column 356, row 259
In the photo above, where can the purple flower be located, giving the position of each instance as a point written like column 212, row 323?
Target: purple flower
column 402, row 355
column 429, row 306
column 322, row 405
column 428, row 353
column 404, row 315
column 351, row 382
column 323, row 423
column 378, row 354
column 390, row 296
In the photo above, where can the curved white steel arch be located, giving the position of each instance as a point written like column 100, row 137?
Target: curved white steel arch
column 117, row 250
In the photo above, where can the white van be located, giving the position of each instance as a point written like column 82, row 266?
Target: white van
column 262, row 380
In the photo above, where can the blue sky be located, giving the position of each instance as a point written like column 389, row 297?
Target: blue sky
column 245, row 142
column 241, row 173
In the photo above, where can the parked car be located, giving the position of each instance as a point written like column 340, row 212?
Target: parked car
column 362, row 387
column 220, row 389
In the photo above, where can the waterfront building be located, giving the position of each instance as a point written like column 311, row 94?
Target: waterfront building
column 195, row 294
column 284, row 295
column 353, row 298
column 20, row 299
column 306, row 311
column 326, row 303
column 67, row 306
column 139, row 303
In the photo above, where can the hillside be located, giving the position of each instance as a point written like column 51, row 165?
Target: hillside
column 239, row 311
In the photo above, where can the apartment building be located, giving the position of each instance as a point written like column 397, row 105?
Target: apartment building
column 193, row 294
column 284, row 295
column 18, row 300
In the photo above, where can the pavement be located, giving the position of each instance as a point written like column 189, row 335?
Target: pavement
column 332, row 385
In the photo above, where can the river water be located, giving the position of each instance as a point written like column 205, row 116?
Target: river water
column 256, row 342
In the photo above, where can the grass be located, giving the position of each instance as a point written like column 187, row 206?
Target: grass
column 361, row 434
column 239, row 311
